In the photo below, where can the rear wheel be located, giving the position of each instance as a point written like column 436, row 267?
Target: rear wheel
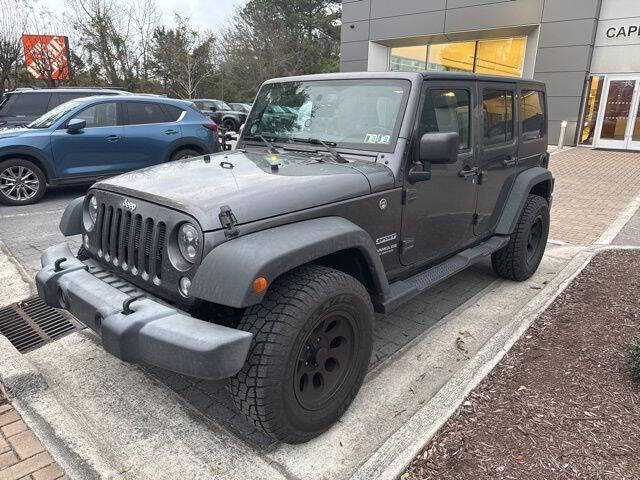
column 21, row 182
column 230, row 125
column 309, row 355
column 520, row 258
column 183, row 154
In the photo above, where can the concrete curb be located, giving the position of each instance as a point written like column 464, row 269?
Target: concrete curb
column 390, row 460
column 618, row 224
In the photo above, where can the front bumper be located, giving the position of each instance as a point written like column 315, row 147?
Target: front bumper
column 151, row 332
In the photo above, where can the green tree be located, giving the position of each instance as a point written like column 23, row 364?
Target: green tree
column 181, row 58
column 272, row 38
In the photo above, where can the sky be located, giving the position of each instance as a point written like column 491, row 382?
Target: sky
column 206, row 14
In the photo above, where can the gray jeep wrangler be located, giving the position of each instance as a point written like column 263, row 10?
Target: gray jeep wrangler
column 265, row 265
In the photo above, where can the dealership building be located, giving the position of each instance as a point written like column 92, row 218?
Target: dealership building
column 586, row 51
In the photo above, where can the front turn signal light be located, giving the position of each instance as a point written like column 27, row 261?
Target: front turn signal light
column 259, row 284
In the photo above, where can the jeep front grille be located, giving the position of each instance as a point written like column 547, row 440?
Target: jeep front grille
column 131, row 241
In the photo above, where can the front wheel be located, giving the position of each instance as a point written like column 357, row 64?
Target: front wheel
column 520, row 258
column 309, row 355
column 21, row 182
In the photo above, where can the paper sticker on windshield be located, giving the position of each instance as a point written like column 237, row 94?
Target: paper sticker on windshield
column 375, row 138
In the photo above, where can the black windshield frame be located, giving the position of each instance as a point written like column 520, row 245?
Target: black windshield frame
column 405, row 84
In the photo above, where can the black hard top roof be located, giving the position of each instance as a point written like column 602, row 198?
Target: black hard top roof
column 412, row 76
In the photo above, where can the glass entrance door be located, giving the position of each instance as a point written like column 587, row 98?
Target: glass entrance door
column 618, row 123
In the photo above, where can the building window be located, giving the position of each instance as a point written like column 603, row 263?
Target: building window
column 408, row 59
column 503, row 57
column 594, row 93
column 451, row 57
column 500, row 57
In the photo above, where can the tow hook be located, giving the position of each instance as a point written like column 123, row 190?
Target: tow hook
column 58, row 262
column 126, row 305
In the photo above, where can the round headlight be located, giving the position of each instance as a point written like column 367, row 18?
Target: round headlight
column 93, row 209
column 189, row 242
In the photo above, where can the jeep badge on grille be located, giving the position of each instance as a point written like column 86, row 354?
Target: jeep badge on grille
column 129, row 205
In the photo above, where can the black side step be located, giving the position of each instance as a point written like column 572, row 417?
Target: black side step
column 404, row 290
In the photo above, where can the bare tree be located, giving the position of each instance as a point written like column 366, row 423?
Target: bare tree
column 115, row 37
column 48, row 60
column 11, row 29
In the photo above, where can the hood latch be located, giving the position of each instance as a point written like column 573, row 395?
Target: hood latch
column 228, row 221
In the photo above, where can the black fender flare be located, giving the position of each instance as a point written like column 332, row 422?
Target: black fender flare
column 524, row 183
column 25, row 151
column 226, row 274
column 71, row 220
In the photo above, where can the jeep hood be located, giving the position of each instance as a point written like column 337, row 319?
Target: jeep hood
column 249, row 184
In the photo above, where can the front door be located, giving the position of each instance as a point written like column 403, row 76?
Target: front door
column 437, row 217
column 498, row 152
column 618, row 124
column 98, row 149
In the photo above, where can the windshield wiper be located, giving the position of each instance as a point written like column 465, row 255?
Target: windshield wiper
column 327, row 146
column 271, row 146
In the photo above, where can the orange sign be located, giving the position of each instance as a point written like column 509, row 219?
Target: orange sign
column 46, row 56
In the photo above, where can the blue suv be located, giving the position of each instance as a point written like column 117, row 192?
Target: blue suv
column 88, row 138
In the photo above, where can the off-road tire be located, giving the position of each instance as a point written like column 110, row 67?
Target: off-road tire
column 515, row 261
column 184, row 154
column 15, row 163
column 266, row 389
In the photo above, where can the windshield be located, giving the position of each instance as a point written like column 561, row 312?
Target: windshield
column 52, row 116
column 220, row 105
column 359, row 113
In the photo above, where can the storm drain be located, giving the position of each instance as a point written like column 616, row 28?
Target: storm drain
column 30, row 323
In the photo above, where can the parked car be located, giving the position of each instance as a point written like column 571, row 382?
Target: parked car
column 240, row 107
column 22, row 106
column 88, row 138
column 222, row 113
column 273, row 258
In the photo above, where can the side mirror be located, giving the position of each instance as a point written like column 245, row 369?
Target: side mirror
column 439, row 148
column 76, row 124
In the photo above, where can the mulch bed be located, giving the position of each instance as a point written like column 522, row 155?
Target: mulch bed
column 562, row 404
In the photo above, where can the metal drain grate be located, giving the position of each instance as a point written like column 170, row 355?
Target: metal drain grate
column 29, row 324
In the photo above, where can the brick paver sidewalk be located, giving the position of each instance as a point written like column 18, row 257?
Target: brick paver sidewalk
column 22, row 456
column 593, row 187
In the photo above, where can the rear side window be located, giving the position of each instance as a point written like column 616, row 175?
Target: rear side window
column 60, row 98
column 100, row 115
column 30, row 104
column 497, row 116
column 142, row 113
column 172, row 112
column 447, row 111
column 532, row 114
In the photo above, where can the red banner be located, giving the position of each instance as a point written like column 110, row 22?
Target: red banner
column 47, row 56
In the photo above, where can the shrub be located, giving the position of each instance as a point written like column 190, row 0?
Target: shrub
column 634, row 356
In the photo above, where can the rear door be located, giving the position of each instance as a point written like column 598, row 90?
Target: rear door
column 150, row 131
column 498, row 152
column 98, row 149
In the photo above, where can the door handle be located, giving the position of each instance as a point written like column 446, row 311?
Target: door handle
column 470, row 172
column 510, row 161
column 170, row 132
column 113, row 138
